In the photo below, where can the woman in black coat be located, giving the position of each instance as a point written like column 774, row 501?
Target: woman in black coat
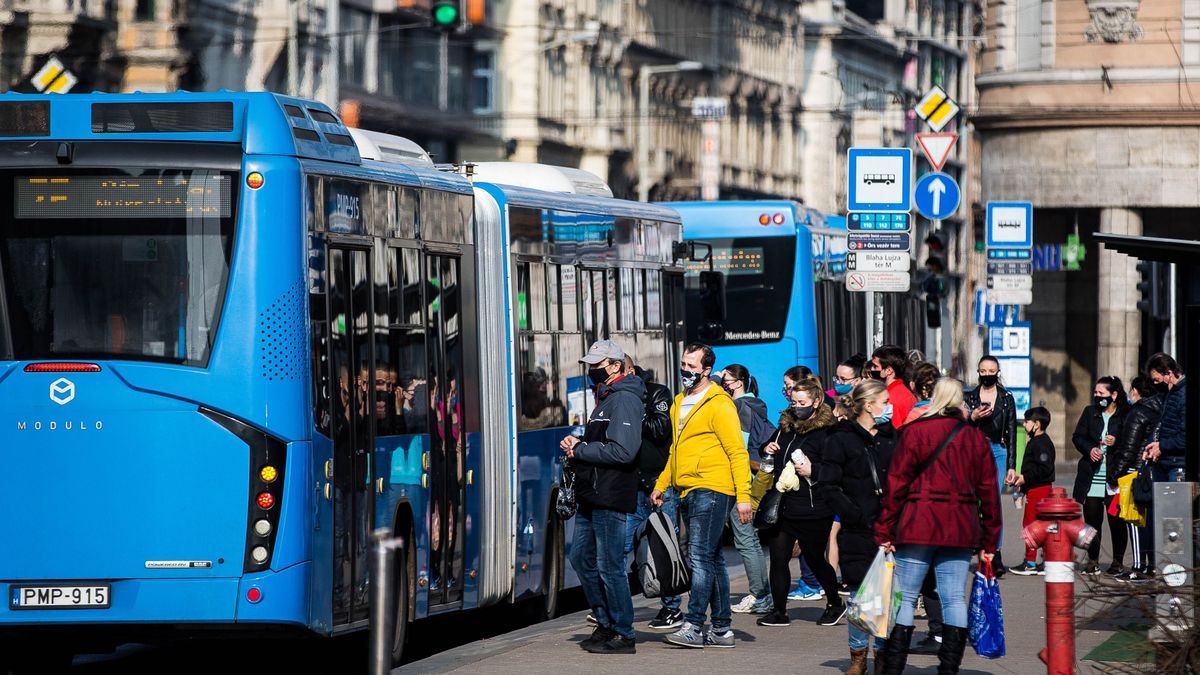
column 1138, row 430
column 852, row 479
column 804, row 517
column 1097, row 438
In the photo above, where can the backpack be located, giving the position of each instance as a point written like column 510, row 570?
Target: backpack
column 761, row 432
column 659, row 562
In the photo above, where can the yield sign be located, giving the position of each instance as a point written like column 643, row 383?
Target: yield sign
column 937, row 148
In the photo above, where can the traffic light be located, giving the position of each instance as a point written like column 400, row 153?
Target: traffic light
column 447, row 14
column 1149, row 302
column 934, row 288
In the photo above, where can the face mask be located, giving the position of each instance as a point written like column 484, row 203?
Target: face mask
column 689, row 378
column 1161, row 387
column 1102, row 402
column 988, row 380
column 876, row 374
column 842, row 389
column 803, row 412
column 597, row 375
column 885, row 416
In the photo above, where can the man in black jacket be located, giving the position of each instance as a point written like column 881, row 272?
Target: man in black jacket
column 1170, row 442
column 652, row 458
column 606, row 487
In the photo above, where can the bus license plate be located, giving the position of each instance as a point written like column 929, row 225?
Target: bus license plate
column 60, row 596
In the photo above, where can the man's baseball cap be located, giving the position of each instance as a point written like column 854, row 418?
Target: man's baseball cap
column 603, row 349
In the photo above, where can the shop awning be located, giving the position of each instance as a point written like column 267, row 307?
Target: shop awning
column 1179, row 251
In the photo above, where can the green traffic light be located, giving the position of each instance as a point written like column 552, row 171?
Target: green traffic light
column 445, row 14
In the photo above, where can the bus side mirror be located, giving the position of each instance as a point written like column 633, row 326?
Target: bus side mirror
column 712, row 306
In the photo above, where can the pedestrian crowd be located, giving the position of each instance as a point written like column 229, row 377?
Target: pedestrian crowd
column 893, row 456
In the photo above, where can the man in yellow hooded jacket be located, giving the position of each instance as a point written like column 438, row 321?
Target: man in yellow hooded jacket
column 710, row 469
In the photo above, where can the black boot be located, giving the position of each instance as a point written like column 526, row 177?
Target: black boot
column 895, row 650
column 950, row 656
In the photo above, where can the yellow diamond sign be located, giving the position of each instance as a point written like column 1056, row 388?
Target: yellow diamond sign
column 54, row 78
column 937, row 108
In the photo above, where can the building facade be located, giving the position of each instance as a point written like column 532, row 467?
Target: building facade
column 866, row 66
column 1087, row 109
column 568, row 91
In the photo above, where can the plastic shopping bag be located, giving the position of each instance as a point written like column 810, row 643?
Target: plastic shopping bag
column 873, row 606
column 1130, row 511
column 985, row 615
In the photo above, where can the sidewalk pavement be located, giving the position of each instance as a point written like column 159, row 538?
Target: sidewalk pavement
column 550, row 647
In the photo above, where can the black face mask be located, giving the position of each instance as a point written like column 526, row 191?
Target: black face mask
column 988, row 380
column 597, row 375
column 690, row 379
column 1161, row 387
column 803, row 412
column 876, row 374
column 1102, row 402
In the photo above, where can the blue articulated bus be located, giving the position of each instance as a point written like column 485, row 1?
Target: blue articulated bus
column 236, row 337
column 765, row 251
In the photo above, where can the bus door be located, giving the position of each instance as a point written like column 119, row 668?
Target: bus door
column 448, row 442
column 351, row 364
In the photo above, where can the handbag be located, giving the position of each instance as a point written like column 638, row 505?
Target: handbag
column 872, row 608
column 767, row 514
column 566, row 505
column 986, row 615
column 1143, row 485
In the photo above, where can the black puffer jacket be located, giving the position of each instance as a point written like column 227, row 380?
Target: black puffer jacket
column 656, row 435
column 1137, row 432
column 1086, row 437
column 808, row 436
column 845, row 479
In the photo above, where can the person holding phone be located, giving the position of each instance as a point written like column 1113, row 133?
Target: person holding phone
column 992, row 410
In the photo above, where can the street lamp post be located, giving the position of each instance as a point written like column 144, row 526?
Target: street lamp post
column 643, row 154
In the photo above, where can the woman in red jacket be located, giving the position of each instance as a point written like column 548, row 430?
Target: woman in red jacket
column 940, row 508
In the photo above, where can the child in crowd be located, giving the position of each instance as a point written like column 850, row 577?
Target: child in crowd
column 1035, row 479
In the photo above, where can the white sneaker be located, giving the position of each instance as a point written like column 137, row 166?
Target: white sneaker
column 745, row 606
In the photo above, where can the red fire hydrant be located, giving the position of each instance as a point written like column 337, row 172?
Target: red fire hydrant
column 1059, row 527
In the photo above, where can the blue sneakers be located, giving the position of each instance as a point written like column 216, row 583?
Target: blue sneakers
column 805, row 592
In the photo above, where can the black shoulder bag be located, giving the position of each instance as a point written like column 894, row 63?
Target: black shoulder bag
column 767, row 514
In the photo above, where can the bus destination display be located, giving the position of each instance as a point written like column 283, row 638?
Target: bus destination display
column 733, row 261
column 201, row 194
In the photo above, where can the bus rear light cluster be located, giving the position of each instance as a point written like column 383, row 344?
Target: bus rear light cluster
column 266, row 463
column 767, row 219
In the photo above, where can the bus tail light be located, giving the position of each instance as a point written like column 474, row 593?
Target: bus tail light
column 267, row 472
column 254, row 595
column 777, row 219
column 764, row 219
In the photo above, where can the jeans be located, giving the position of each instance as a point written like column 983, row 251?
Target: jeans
column 704, row 513
column 670, row 508
column 598, row 556
column 1001, row 457
column 860, row 638
column 745, row 538
column 951, row 566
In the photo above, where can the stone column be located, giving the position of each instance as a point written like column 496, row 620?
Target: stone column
column 1119, row 325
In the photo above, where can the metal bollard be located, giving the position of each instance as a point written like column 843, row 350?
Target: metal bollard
column 382, row 613
column 1059, row 526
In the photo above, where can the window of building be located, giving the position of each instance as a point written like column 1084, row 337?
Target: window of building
column 143, row 10
column 483, row 80
column 356, row 25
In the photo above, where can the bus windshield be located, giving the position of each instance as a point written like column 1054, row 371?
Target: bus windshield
column 127, row 264
column 758, row 287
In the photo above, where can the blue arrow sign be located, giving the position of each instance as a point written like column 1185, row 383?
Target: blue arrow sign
column 936, row 196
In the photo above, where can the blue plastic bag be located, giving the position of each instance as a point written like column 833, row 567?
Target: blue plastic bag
column 985, row 615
